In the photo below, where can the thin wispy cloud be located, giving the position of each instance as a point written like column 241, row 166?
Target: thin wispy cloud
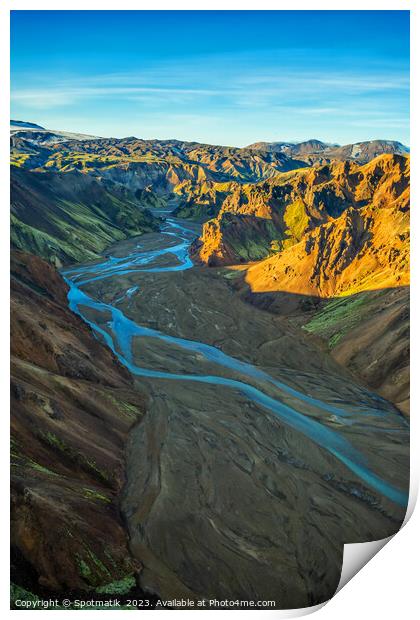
column 68, row 96
column 241, row 88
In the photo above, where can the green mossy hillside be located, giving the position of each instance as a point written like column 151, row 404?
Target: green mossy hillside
column 338, row 317
column 72, row 217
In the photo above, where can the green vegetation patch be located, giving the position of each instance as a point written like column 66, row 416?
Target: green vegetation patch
column 54, row 441
column 41, row 469
column 231, row 274
column 89, row 464
column 297, row 222
column 84, row 569
column 95, row 495
column 17, row 593
column 56, row 251
column 19, row 460
column 338, row 317
column 68, row 162
column 63, row 230
column 91, row 569
column 250, row 244
column 276, row 246
column 122, row 586
column 19, row 159
column 250, row 249
column 92, row 466
column 127, row 409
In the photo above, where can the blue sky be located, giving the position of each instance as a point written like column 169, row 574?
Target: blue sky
column 223, row 77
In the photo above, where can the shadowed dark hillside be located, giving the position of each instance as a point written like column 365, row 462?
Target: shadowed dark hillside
column 72, row 408
column 367, row 332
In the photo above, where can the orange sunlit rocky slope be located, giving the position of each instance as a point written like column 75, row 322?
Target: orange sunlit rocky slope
column 333, row 230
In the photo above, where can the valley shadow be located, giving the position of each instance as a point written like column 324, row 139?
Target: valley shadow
column 287, row 303
column 368, row 332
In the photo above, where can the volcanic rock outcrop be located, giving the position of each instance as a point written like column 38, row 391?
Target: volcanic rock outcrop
column 305, row 207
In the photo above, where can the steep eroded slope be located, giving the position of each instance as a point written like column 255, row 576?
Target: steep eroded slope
column 72, row 407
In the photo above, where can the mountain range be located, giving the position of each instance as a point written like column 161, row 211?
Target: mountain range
column 306, row 241
column 315, row 151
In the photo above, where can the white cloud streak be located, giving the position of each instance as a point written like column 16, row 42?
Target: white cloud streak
column 241, row 90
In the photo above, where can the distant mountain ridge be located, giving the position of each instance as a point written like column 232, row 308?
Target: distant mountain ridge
column 24, row 125
column 293, row 148
column 199, row 175
column 164, row 165
column 40, row 135
column 310, row 149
